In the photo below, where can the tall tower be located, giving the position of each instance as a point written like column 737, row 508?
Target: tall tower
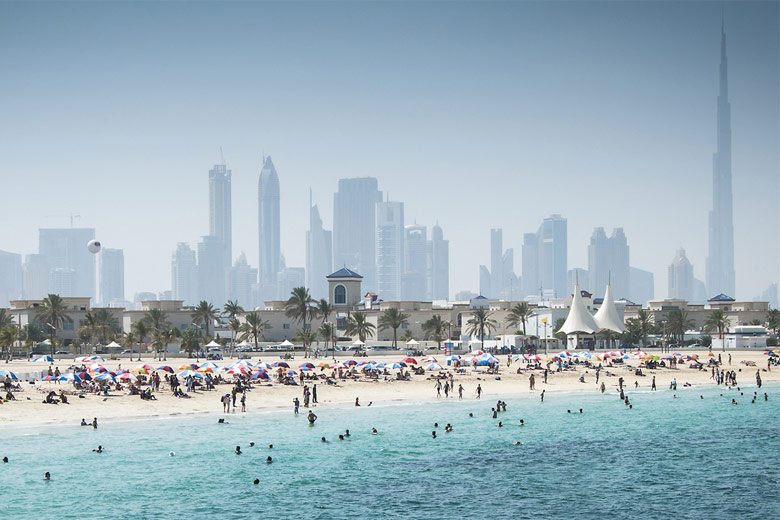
column 111, row 276
column 720, row 260
column 269, row 229
column 438, row 265
column 318, row 254
column 389, row 249
column 220, row 220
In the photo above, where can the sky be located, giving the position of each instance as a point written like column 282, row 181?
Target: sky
column 475, row 115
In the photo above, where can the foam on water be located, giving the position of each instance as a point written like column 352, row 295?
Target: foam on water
column 666, row 457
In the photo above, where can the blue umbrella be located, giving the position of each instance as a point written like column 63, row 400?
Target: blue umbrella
column 399, row 365
column 43, row 359
column 70, row 377
column 104, row 376
column 190, row 373
column 4, row 373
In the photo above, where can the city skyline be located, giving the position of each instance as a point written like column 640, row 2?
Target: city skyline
column 668, row 160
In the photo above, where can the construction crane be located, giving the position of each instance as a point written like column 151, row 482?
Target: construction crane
column 71, row 216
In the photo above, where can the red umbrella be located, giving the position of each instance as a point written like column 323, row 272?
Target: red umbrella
column 410, row 360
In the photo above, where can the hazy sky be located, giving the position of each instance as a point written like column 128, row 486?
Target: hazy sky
column 475, row 115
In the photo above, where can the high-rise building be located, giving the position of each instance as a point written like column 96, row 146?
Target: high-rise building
column 62, row 281
column 642, row 286
column 545, row 259
column 212, row 275
column 354, row 228
column 720, row 260
column 242, row 279
column 35, row 273
column 577, row 276
column 680, row 278
column 438, row 265
column 220, row 212
column 66, row 248
column 111, row 276
column 501, row 281
column 414, row 283
column 269, row 226
column 184, row 274
column 11, row 280
column 771, row 295
column 608, row 262
column 319, row 255
column 389, row 249
column 289, row 278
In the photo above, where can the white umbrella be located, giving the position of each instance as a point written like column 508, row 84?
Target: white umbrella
column 412, row 342
column 358, row 343
column 285, row 343
column 213, row 344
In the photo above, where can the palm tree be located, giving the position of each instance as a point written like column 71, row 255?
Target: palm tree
column 162, row 338
column 53, row 312
column 128, row 340
column 190, row 340
column 392, row 319
column 717, row 321
column 300, row 306
column 156, row 319
column 87, row 330
column 326, row 332
column 231, row 310
column 204, row 313
column 5, row 319
column 645, row 320
column 141, row 330
column 358, row 324
column 677, row 322
column 324, row 309
column 306, row 337
column 253, row 327
column 773, row 320
column 557, row 330
column 235, row 327
column 31, row 334
column 633, row 332
column 8, row 337
column 105, row 323
column 480, row 323
column 518, row 314
column 435, row 329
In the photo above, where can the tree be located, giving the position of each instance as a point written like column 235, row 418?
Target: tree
column 300, row 306
column 557, row 330
column 633, row 332
column 717, row 321
column 190, row 340
column 128, row 341
column 324, row 309
column 677, row 322
column 392, row 319
column 231, row 310
column 53, row 312
column 156, row 319
column 204, row 313
column 306, row 337
column 645, row 320
column 480, row 323
column 327, row 332
column 435, row 329
column 32, row 333
column 253, row 327
column 9, row 335
column 358, row 324
column 162, row 338
column 773, row 320
column 141, row 330
column 5, row 319
column 705, row 340
column 519, row 314
column 105, row 323
column 87, row 331
column 235, row 328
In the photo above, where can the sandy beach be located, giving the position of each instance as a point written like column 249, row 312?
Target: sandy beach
column 29, row 410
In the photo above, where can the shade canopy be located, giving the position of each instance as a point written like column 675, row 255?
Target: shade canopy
column 607, row 317
column 579, row 319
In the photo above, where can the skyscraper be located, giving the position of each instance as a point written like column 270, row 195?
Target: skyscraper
column 184, row 274
column 241, row 280
column 35, row 274
column 66, row 248
column 438, row 265
column 414, row 284
column 608, row 260
column 319, row 254
column 501, row 281
column 680, row 278
column 111, row 276
column 212, row 275
column 220, row 218
column 10, row 277
column 545, row 259
column 720, row 260
column 642, row 286
column 269, row 229
column 354, row 227
column 389, row 249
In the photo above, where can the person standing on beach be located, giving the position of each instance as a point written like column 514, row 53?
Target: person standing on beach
column 243, row 401
column 598, row 373
column 758, row 378
column 653, row 387
column 296, row 404
column 603, row 387
column 438, row 389
column 314, row 393
column 479, row 391
column 542, row 396
column 460, row 391
column 532, row 382
column 546, row 372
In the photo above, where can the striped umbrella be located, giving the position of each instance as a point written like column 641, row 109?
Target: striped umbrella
column 43, row 359
column 166, row 368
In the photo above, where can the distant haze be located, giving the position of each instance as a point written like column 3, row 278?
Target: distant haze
column 475, row 115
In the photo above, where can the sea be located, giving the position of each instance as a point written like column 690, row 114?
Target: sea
column 680, row 454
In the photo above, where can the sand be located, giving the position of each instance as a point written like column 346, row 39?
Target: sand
column 32, row 412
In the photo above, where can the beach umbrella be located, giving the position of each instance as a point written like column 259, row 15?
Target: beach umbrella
column 260, row 375
column 166, row 368
column 451, row 358
column 483, row 362
column 535, row 357
column 210, row 364
column 142, row 369
column 324, row 365
column 291, row 372
column 475, row 353
column 70, row 377
column 429, row 359
column 711, row 354
column 105, row 376
column 97, row 368
column 638, row 354
column 43, row 359
column 205, row 369
column 433, row 366
column 410, row 360
column 351, row 362
column 238, row 370
column 85, row 376
column 189, row 366
column 190, row 373
column 126, row 377
column 398, row 365
column 380, row 365
column 4, row 373
column 281, row 364
column 306, row 366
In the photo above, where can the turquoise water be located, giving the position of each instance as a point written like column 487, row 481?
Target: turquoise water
column 665, row 458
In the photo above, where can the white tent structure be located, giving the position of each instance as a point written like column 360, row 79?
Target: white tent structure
column 113, row 344
column 213, row 344
column 286, row 343
column 607, row 317
column 579, row 319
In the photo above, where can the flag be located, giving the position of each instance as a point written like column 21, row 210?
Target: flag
column 544, row 320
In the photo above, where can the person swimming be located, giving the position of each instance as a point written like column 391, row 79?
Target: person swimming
column 518, row 443
column 346, row 433
column 341, row 437
column 251, row 444
column 373, row 431
column 433, row 434
column 311, row 417
column 269, row 460
column 522, row 422
column 471, row 415
column 256, row 481
column 323, row 439
column 5, row 460
column 47, row 476
column 84, row 422
column 270, row 446
column 99, row 449
column 500, row 425
column 238, row 450
column 171, row 453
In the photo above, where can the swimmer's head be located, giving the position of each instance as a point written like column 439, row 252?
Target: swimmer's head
column 171, row 453
column 256, row 481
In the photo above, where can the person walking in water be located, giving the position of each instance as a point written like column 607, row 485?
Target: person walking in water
column 479, row 391
column 311, row 417
column 653, row 386
column 460, row 391
column 438, row 389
